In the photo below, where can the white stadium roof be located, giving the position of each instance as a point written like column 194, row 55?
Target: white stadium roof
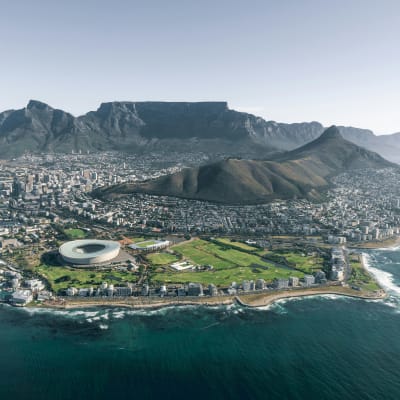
column 89, row 251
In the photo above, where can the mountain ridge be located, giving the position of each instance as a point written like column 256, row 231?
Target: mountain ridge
column 176, row 126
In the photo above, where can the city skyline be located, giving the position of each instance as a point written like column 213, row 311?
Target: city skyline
column 288, row 62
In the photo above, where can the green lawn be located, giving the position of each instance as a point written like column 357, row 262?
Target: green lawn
column 229, row 265
column 75, row 233
column 360, row 277
column 63, row 277
column 202, row 252
column 238, row 245
column 225, row 277
column 137, row 239
column 307, row 264
column 146, row 243
column 198, row 252
column 161, row 258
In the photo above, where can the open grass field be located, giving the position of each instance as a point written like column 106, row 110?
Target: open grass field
column 199, row 253
column 161, row 258
column 229, row 265
column 202, row 252
column 360, row 277
column 307, row 264
column 238, row 245
column 225, row 277
column 75, row 233
column 143, row 245
column 61, row 277
column 138, row 239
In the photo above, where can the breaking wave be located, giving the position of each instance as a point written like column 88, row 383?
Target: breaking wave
column 384, row 278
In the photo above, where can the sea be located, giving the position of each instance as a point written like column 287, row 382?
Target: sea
column 322, row 347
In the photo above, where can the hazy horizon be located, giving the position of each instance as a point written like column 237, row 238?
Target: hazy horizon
column 335, row 63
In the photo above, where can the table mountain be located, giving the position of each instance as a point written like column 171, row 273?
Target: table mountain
column 177, row 126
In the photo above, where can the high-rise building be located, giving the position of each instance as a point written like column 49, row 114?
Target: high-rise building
column 195, row 289
column 260, row 284
column 212, row 289
column 281, row 283
column 16, row 188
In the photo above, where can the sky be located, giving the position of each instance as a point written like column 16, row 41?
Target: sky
column 337, row 62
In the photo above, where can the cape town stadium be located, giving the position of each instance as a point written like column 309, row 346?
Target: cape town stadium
column 86, row 252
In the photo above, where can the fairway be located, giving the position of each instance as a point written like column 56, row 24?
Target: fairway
column 202, row 252
column 225, row 277
column 161, row 258
column 238, row 245
column 307, row 264
column 229, row 265
column 63, row 277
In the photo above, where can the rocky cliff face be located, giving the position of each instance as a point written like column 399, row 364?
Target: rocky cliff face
column 178, row 126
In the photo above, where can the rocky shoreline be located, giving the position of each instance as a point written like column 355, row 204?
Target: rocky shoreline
column 247, row 300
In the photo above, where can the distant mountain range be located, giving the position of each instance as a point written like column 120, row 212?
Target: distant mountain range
column 147, row 126
column 304, row 172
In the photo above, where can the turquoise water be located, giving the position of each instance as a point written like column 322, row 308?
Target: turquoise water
column 312, row 348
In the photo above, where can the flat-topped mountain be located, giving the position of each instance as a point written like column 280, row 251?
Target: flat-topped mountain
column 303, row 172
column 171, row 126
column 132, row 126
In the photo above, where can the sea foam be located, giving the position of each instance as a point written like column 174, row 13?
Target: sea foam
column 385, row 279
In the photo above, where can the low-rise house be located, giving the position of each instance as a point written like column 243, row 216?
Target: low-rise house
column 21, row 297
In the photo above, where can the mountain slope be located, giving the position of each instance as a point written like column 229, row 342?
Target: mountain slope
column 303, row 172
column 168, row 126
column 128, row 126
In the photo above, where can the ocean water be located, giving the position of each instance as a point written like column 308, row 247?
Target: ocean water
column 325, row 347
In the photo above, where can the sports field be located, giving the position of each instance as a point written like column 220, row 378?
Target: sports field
column 145, row 244
column 75, row 233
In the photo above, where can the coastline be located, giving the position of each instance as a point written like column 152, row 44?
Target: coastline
column 135, row 303
column 384, row 244
column 262, row 301
column 253, row 300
